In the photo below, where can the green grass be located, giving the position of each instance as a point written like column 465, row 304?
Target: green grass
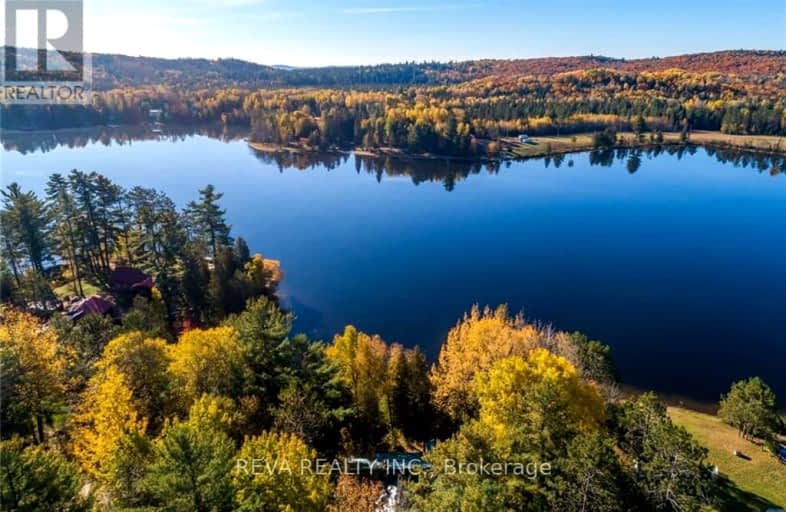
column 545, row 145
column 68, row 289
column 756, row 484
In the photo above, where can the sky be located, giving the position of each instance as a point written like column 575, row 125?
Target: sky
column 331, row 32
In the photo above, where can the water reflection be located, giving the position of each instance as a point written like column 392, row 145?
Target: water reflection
column 44, row 141
column 447, row 171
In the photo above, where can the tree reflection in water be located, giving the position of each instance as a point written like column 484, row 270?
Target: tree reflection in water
column 447, row 171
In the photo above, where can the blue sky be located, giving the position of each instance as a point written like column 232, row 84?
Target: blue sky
column 311, row 32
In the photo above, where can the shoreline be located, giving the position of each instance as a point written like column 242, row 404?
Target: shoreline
column 549, row 146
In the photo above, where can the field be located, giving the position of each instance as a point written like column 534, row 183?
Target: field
column 542, row 146
column 757, row 482
column 68, row 289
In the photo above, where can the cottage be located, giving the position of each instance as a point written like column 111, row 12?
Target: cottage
column 94, row 305
column 129, row 280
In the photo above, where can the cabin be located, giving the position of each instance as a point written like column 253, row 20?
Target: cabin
column 131, row 281
column 523, row 138
column 93, row 305
column 155, row 115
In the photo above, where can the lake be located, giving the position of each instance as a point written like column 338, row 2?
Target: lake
column 676, row 259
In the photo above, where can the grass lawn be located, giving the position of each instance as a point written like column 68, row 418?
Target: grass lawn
column 756, row 484
column 544, row 145
column 68, row 289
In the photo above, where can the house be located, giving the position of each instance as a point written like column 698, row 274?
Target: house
column 94, row 305
column 130, row 281
column 523, row 138
column 155, row 114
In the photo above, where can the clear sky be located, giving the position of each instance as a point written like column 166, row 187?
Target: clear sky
column 313, row 32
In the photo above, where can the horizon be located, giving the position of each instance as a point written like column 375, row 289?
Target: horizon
column 426, row 61
column 363, row 32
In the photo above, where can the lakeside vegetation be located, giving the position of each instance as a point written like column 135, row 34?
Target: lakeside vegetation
column 154, row 407
column 456, row 109
column 756, row 479
column 512, row 148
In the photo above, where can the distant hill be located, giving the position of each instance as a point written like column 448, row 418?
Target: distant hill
column 740, row 62
column 113, row 71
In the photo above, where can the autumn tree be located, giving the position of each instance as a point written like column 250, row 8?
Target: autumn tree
column 356, row 494
column 268, row 476
column 104, row 421
column 480, row 339
column 32, row 370
column 209, row 361
column 529, row 410
column 536, row 403
column 362, row 363
column 144, row 364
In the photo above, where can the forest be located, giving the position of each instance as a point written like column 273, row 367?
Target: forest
column 457, row 109
column 165, row 400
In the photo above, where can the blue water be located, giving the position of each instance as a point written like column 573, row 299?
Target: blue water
column 680, row 267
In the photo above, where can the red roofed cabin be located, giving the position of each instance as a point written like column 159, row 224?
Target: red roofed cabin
column 94, row 305
column 131, row 281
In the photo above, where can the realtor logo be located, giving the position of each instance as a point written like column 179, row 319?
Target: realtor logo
column 44, row 61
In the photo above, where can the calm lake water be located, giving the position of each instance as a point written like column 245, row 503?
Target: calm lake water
column 680, row 265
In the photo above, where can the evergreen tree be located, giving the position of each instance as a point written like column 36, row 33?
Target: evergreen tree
column 26, row 227
column 191, row 469
column 589, row 477
column 208, row 221
column 63, row 208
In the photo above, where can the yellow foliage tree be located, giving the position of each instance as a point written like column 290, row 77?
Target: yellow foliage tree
column 278, row 472
column 216, row 412
column 362, row 363
column 535, row 403
column 144, row 365
column 32, row 371
column 104, row 418
column 207, row 361
column 474, row 344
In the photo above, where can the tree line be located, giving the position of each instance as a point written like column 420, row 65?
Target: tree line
column 144, row 412
column 451, row 118
column 173, row 425
column 86, row 225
